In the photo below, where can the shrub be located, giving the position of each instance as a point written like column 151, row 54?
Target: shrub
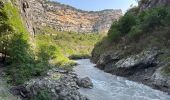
column 135, row 32
column 45, row 53
column 19, row 73
column 121, row 28
column 144, row 22
column 126, row 23
column 154, row 18
column 22, row 62
column 114, row 35
column 49, row 53
column 19, row 49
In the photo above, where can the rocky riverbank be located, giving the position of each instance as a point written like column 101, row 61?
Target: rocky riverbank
column 149, row 66
column 4, row 88
column 59, row 84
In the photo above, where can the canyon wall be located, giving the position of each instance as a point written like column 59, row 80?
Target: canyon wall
column 60, row 17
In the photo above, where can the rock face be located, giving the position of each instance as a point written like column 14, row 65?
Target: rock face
column 59, row 84
column 43, row 13
column 161, row 79
column 147, row 66
column 112, row 62
column 152, row 3
column 141, row 61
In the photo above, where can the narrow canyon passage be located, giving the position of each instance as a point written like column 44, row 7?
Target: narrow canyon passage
column 110, row 87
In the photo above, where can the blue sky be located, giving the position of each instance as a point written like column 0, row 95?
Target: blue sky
column 96, row 5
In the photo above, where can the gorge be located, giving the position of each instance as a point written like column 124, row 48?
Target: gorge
column 39, row 40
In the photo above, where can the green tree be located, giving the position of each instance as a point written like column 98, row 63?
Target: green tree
column 19, row 49
column 113, row 33
column 126, row 23
column 5, row 32
column 154, row 18
column 22, row 62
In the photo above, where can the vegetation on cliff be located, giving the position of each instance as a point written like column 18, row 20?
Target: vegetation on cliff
column 28, row 57
column 136, row 31
column 72, row 45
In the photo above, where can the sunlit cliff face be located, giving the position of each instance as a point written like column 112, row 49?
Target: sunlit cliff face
column 66, row 18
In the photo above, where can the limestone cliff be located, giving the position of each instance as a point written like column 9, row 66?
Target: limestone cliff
column 66, row 18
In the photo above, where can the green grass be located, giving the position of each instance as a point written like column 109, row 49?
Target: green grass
column 58, row 57
column 73, row 44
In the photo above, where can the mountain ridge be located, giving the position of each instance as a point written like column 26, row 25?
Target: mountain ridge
column 62, row 17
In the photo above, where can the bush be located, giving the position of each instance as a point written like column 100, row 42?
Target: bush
column 126, row 23
column 121, row 28
column 114, row 35
column 45, row 53
column 22, row 62
column 19, row 73
column 143, row 22
column 135, row 32
column 19, row 49
column 154, row 18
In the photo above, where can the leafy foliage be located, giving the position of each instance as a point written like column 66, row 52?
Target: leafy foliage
column 22, row 62
column 154, row 18
column 144, row 22
column 135, row 32
column 5, row 32
column 149, row 28
column 70, row 43
column 19, row 50
column 126, row 23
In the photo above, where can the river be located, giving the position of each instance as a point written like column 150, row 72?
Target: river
column 111, row 87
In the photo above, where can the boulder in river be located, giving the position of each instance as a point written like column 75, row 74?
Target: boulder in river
column 85, row 82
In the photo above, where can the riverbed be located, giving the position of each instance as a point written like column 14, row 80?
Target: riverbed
column 111, row 87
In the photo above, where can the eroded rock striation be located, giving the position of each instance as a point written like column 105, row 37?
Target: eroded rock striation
column 43, row 13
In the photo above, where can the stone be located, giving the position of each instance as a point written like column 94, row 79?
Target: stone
column 65, row 88
column 108, row 58
column 129, row 65
column 160, row 78
column 85, row 83
column 144, row 59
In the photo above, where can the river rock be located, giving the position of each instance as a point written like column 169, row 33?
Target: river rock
column 129, row 65
column 85, row 83
column 60, row 86
column 108, row 58
column 161, row 78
